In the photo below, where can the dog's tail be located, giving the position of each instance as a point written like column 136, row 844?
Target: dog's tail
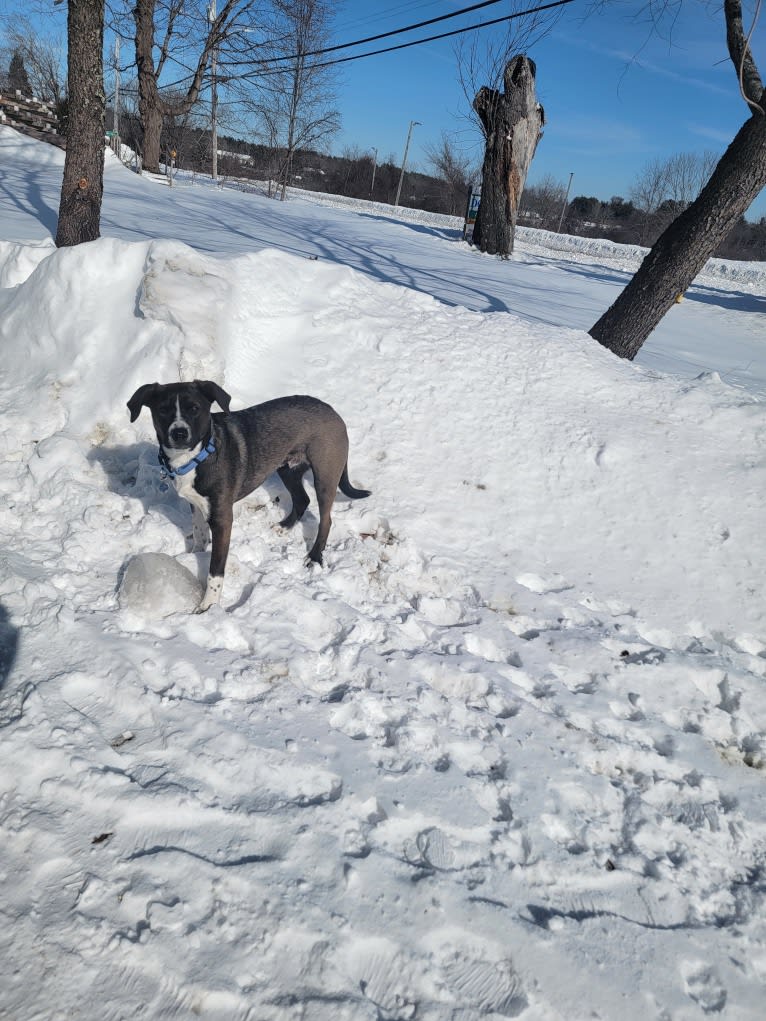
column 348, row 490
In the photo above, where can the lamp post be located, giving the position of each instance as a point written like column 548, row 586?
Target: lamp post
column 404, row 161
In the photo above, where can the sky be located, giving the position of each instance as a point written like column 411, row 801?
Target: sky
column 616, row 94
column 617, row 91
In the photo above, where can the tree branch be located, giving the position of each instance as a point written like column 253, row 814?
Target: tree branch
column 750, row 83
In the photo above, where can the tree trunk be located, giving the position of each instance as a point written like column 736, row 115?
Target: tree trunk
column 148, row 97
column 295, row 99
column 83, row 184
column 683, row 249
column 686, row 245
column 151, row 120
column 512, row 123
column 152, row 107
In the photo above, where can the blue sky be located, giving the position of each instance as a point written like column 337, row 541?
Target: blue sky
column 616, row 94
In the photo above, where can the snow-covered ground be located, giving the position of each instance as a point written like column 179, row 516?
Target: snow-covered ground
column 504, row 756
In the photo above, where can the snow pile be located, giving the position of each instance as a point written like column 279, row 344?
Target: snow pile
column 502, row 757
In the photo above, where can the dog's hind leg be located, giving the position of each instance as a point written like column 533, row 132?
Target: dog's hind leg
column 292, row 477
column 325, row 496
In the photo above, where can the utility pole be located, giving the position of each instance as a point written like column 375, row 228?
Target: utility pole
column 374, row 166
column 404, row 161
column 117, row 94
column 564, row 207
column 211, row 15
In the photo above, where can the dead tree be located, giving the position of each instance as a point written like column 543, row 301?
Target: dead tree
column 83, row 185
column 512, row 122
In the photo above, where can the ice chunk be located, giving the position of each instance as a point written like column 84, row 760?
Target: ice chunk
column 155, row 583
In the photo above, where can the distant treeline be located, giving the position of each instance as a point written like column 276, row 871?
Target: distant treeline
column 622, row 221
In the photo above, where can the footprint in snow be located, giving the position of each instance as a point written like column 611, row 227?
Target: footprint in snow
column 704, row 987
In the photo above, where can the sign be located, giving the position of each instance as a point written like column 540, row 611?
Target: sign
column 471, row 212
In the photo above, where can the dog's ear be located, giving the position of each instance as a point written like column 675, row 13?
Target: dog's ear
column 214, row 393
column 141, row 397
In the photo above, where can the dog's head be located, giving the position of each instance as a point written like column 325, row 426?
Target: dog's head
column 180, row 411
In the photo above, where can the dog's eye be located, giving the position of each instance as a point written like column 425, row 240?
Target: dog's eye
column 194, row 408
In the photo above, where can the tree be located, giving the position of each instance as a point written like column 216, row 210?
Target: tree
column 18, row 79
column 194, row 26
column 543, row 202
column 499, row 87
column 296, row 94
column 42, row 58
column 688, row 242
column 585, row 208
column 647, row 194
column 82, row 187
column 664, row 188
column 453, row 168
column 513, row 124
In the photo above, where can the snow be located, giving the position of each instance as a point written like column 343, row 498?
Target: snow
column 504, row 755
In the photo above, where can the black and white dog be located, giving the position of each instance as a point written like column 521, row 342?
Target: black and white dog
column 217, row 459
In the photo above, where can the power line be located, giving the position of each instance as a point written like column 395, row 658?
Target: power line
column 404, row 46
column 267, row 72
column 387, row 35
column 386, row 14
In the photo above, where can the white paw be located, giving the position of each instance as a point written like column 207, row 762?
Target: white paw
column 212, row 594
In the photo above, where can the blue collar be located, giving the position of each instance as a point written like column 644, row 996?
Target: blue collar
column 169, row 472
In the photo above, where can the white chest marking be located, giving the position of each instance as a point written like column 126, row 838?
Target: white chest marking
column 185, row 483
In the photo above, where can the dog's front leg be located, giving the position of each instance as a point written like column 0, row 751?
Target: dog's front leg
column 221, row 520
column 200, row 530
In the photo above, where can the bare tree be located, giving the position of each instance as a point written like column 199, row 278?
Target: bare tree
column 513, row 125
column 689, row 241
column 295, row 99
column 83, row 184
column 452, row 167
column 543, row 203
column 664, row 188
column 648, row 192
column 190, row 27
column 498, row 81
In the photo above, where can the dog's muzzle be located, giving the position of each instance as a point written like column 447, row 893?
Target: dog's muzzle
column 179, row 436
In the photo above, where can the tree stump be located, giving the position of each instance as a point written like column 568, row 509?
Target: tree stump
column 512, row 122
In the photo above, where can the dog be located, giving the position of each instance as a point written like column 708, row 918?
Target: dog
column 216, row 459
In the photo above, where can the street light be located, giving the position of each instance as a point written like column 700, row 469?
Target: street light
column 404, row 161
